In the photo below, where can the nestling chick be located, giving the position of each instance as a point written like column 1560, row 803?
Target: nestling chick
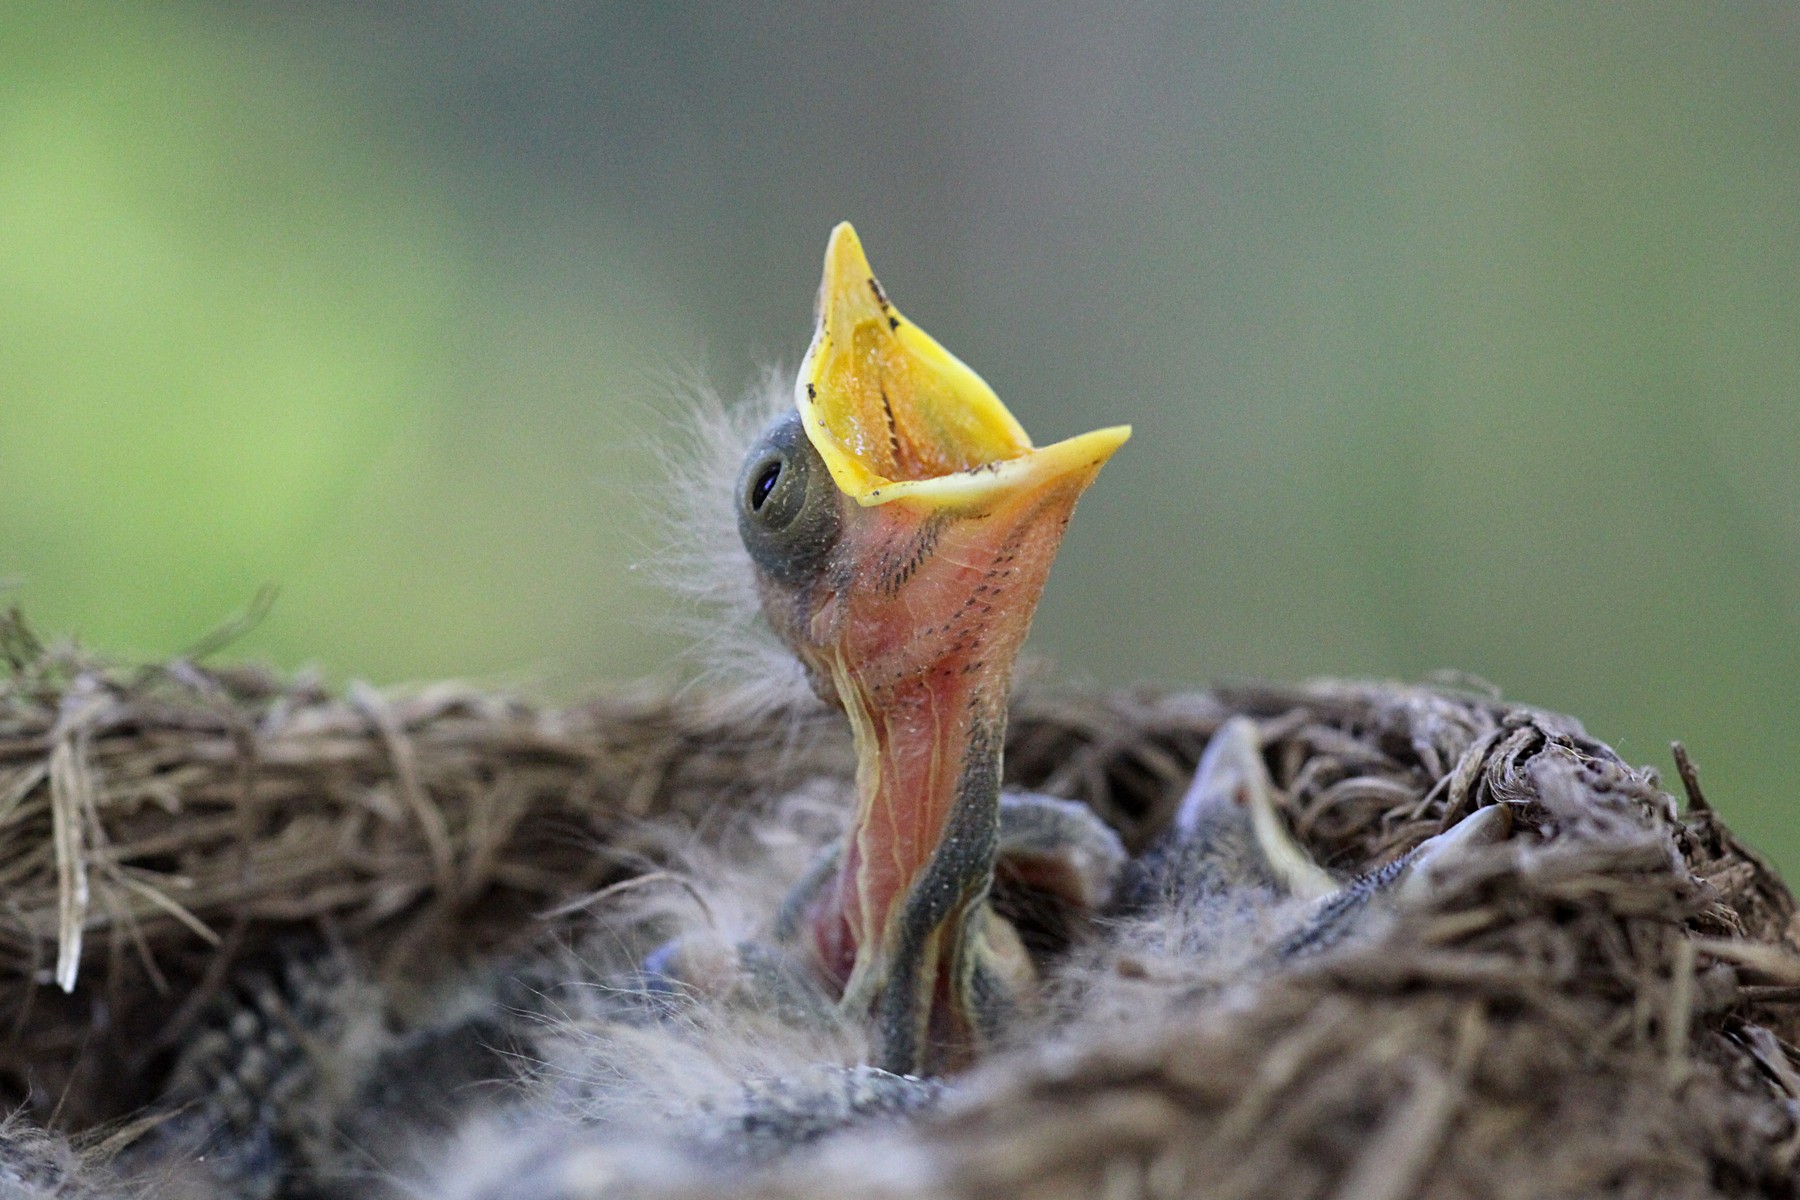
column 1226, row 893
column 901, row 527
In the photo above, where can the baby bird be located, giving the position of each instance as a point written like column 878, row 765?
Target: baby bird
column 901, row 525
column 1226, row 889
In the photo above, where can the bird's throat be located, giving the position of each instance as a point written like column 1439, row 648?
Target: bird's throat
column 919, row 855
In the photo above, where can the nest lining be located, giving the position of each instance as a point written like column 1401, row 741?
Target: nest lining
column 1605, row 1004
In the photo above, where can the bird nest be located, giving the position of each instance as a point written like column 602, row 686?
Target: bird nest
column 1604, row 1003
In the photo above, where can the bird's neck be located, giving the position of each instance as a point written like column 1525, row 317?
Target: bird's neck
column 920, row 851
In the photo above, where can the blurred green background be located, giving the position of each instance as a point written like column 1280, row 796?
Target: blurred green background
column 1456, row 336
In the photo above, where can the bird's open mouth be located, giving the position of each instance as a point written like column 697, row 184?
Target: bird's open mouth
column 893, row 414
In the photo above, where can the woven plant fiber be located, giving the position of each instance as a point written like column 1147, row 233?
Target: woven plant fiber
column 1604, row 1003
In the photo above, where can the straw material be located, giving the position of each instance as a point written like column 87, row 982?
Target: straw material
column 1605, row 1004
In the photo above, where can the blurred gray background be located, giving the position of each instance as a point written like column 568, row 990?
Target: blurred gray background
column 1456, row 336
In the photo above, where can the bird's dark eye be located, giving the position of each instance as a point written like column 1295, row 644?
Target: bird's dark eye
column 787, row 503
column 765, row 483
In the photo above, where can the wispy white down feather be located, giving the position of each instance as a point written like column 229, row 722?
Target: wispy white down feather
column 699, row 558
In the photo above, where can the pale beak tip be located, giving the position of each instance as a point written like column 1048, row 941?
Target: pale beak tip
column 1108, row 440
column 847, row 270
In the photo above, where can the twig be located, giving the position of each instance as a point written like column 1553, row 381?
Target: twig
column 236, row 626
column 1690, row 779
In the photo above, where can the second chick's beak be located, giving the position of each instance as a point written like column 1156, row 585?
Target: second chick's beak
column 902, row 526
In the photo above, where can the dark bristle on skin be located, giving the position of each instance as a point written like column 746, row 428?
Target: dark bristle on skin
column 1607, row 1000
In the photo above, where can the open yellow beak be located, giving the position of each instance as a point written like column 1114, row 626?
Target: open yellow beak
column 893, row 414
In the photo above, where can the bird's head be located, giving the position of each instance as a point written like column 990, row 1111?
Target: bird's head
column 902, row 525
